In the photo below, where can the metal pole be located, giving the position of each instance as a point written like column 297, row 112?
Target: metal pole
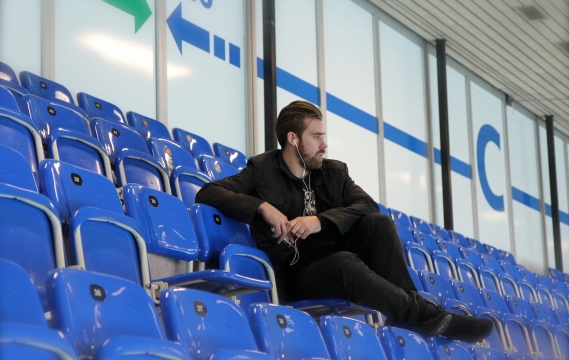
column 554, row 195
column 269, row 73
column 444, row 130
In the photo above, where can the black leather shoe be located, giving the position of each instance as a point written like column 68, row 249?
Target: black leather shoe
column 470, row 329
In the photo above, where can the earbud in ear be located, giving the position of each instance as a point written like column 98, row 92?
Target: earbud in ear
column 294, row 141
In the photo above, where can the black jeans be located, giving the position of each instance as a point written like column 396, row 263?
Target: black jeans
column 371, row 271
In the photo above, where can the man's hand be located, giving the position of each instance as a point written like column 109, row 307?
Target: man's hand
column 276, row 219
column 303, row 226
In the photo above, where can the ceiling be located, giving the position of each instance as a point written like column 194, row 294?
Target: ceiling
column 519, row 46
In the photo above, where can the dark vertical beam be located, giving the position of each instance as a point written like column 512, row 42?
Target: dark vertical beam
column 269, row 73
column 444, row 130
column 554, row 195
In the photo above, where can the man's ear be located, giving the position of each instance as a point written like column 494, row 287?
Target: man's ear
column 291, row 139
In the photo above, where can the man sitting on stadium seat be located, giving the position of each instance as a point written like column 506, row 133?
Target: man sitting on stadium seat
column 324, row 234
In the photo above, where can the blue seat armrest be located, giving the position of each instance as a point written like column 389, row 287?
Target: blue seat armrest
column 218, row 281
column 131, row 346
column 14, row 87
column 453, row 304
column 182, row 170
column 147, row 158
column 85, row 139
column 36, row 337
column 226, row 354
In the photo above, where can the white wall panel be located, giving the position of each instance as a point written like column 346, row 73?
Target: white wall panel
column 348, row 53
column 487, row 121
column 98, row 52
column 206, row 93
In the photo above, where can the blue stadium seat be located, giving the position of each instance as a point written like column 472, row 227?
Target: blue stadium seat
column 45, row 88
column 185, row 178
column 493, row 251
column 441, row 232
column 20, row 206
column 400, row 217
column 230, row 156
column 484, row 353
column 556, row 274
column 459, row 239
column 383, row 209
column 130, row 156
column 405, row 233
column 420, row 289
column 9, row 80
column 193, row 143
column 286, row 333
column 441, row 288
column 477, row 245
column 68, row 136
column 208, row 326
column 147, row 127
column 403, row 344
column 15, row 170
column 19, row 132
column 562, row 339
column 444, row 349
column 443, row 263
column 418, row 257
column 23, row 327
column 95, row 107
column 107, row 317
column 216, row 168
column 350, row 339
column 421, row 225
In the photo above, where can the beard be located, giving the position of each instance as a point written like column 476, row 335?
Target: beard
column 312, row 162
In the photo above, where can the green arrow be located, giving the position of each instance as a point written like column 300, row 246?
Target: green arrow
column 137, row 8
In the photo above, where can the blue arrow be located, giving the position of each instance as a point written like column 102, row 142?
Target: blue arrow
column 183, row 30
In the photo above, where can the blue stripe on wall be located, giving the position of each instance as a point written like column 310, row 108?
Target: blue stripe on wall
column 403, row 139
column 309, row 92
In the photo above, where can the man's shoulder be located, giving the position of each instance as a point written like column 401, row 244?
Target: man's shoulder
column 334, row 165
column 269, row 157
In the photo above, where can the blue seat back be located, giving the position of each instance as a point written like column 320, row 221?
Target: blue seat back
column 49, row 115
column 478, row 246
column 404, row 233
column 518, row 330
column 81, row 150
column 19, row 302
column 20, row 133
column 164, row 221
column 147, row 127
column 45, row 88
column 444, row 349
column 436, row 285
column 418, row 257
column 543, row 312
column 466, row 292
column 9, row 100
column 116, row 137
column 562, row 338
column 95, row 107
column 441, row 232
column 459, row 239
column 472, row 256
column 170, row 153
column 284, row 332
column 415, row 277
column 467, row 272
column 230, row 155
column 205, row 323
column 556, row 274
column 427, row 240
column 193, row 143
column 34, row 248
column 70, row 188
column 15, row 170
column 450, row 248
column 215, row 231
column 483, row 353
column 493, row 251
column 215, row 168
column 495, row 301
column 186, row 182
column 519, row 307
column 400, row 217
column 403, row 344
column 350, row 339
column 421, row 224
column 91, row 308
column 382, row 209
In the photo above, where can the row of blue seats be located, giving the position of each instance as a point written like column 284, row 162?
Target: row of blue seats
column 521, row 327
column 493, row 269
column 98, row 316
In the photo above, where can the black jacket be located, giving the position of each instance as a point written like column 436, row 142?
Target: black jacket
column 340, row 203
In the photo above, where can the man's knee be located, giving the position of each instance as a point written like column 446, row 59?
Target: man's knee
column 378, row 220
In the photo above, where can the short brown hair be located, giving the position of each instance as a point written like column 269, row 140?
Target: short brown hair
column 291, row 118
